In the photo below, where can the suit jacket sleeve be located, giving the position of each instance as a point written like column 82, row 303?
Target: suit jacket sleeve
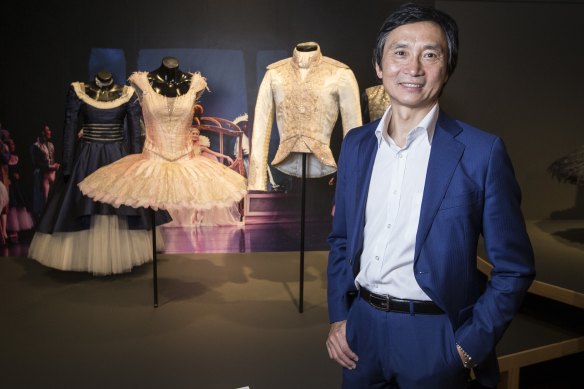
column 509, row 251
column 340, row 277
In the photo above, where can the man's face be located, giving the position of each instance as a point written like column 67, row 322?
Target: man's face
column 47, row 133
column 413, row 67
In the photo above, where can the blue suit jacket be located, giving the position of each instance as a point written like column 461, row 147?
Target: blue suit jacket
column 470, row 190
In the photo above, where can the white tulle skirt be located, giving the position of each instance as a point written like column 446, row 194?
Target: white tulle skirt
column 147, row 180
column 108, row 247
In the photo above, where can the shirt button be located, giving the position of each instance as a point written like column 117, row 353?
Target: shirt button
column 389, row 226
column 377, row 258
column 395, row 192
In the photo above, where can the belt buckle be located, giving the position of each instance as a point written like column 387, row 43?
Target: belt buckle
column 379, row 302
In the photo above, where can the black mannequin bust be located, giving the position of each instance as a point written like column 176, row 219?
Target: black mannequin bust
column 168, row 80
column 103, row 88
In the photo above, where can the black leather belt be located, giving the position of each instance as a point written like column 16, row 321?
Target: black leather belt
column 387, row 303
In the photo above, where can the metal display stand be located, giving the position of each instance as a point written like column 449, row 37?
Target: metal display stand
column 302, row 233
column 154, row 264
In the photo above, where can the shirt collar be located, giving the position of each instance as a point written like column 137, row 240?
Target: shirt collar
column 305, row 59
column 427, row 125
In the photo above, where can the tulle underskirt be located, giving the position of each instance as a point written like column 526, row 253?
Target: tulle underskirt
column 146, row 180
column 108, row 247
column 226, row 216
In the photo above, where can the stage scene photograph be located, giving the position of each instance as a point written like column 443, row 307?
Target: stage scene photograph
column 292, row 194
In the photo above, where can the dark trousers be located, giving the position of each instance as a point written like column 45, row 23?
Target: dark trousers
column 401, row 350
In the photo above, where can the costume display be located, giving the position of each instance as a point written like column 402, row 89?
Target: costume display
column 167, row 175
column 569, row 169
column 74, row 232
column 306, row 92
column 374, row 103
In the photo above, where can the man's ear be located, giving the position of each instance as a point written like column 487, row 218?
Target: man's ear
column 378, row 71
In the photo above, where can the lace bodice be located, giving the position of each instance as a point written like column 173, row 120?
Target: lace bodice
column 167, row 119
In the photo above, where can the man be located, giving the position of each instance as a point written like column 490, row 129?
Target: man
column 415, row 191
column 45, row 168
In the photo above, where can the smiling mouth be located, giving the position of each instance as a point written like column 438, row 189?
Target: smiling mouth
column 410, row 85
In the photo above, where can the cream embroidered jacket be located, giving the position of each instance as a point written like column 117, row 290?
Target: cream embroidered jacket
column 306, row 92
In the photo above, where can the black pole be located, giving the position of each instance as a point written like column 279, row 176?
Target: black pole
column 154, row 268
column 302, row 223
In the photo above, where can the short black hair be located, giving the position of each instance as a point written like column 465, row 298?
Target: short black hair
column 412, row 13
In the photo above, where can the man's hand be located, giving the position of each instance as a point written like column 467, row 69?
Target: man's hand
column 338, row 348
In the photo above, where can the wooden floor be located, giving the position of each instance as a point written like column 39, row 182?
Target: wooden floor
column 225, row 321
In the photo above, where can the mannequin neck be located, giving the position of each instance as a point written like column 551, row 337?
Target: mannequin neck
column 103, row 88
column 306, row 54
column 168, row 80
column 306, row 47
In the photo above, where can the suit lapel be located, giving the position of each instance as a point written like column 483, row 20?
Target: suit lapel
column 444, row 158
column 366, row 156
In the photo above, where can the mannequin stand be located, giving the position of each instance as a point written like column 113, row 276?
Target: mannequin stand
column 154, row 264
column 302, row 233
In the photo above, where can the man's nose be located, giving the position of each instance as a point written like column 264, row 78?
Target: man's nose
column 414, row 66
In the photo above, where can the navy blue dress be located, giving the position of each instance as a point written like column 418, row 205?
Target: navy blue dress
column 75, row 233
column 111, row 130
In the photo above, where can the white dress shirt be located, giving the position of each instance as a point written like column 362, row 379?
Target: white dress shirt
column 393, row 210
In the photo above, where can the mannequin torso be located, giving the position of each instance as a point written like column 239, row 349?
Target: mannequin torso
column 168, row 80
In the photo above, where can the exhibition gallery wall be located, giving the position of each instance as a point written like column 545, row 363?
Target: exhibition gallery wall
column 519, row 71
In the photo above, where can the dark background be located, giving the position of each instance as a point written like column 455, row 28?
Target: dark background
column 519, row 73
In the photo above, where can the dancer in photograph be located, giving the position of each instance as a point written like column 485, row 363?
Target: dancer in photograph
column 44, row 169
